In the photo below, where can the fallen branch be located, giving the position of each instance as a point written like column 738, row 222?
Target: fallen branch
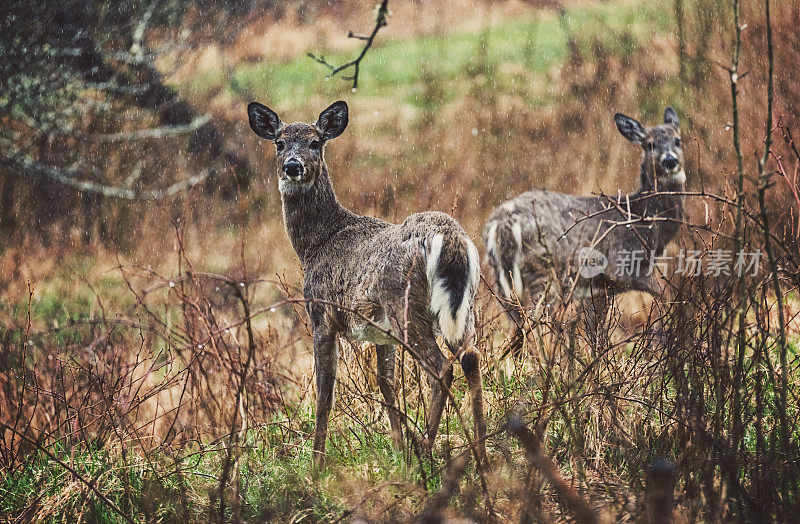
column 531, row 443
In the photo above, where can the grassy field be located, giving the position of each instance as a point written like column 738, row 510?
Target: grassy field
column 517, row 55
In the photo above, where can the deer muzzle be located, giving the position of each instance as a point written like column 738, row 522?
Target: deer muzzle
column 293, row 169
column 670, row 162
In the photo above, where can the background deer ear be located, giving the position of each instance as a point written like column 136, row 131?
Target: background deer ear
column 671, row 117
column 332, row 121
column 264, row 121
column 630, row 128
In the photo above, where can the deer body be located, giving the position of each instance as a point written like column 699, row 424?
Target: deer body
column 366, row 264
column 537, row 239
column 372, row 280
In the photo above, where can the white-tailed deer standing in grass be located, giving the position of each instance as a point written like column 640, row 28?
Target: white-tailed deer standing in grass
column 566, row 245
column 372, row 280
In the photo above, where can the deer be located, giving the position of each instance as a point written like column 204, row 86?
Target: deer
column 371, row 280
column 543, row 246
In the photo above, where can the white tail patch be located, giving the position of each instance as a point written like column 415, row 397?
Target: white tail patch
column 452, row 326
column 491, row 245
column 434, row 250
column 516, row 275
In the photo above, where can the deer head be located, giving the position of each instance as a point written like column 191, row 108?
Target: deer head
column 300, row 159
column 662, row 163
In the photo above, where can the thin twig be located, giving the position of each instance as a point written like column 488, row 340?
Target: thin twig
column 380, row 22
column 764, row 180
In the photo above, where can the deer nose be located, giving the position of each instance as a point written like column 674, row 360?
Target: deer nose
column 293, row 169
column 669, row 162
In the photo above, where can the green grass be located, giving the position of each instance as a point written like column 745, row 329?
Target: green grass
column 58, row 307
column 277, row 480
column 54, row 306
column 397, row 69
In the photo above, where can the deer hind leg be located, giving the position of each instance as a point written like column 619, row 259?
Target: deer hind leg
column 539, row 299
column 595, row 309
column 386, row 366
column 325, row 360
column 440, row 378
column 471, row 364
column 509, row 285
column 513, row 302
column 515, row 314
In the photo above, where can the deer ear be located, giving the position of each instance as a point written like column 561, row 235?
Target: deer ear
column 332, row 121
column 671, row 117
column 630, row 128
column 264, row 121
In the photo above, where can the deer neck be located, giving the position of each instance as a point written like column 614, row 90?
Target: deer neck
column 664, row 201
column 313, row 216
column 650, row 184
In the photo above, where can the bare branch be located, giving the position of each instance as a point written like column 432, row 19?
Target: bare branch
column 67, row 177
column 380, row 21
column 156, row 132
column 138, row 34
column 764, row 182
column 437, row 503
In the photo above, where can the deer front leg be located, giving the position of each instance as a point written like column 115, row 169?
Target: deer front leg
column 386, row 365
column 325, row 360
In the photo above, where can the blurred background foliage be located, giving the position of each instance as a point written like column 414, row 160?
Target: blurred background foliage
column 106, row 105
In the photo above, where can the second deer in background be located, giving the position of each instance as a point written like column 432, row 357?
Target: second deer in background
column 544, row 246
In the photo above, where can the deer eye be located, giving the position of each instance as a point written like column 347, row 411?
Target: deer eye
column 314, row 145
column 677, row 142
column 280, row 144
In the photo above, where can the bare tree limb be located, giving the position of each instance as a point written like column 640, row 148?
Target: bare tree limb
column 156, row 132
column 380, row 22
column 67, row 177
column 138, row 34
